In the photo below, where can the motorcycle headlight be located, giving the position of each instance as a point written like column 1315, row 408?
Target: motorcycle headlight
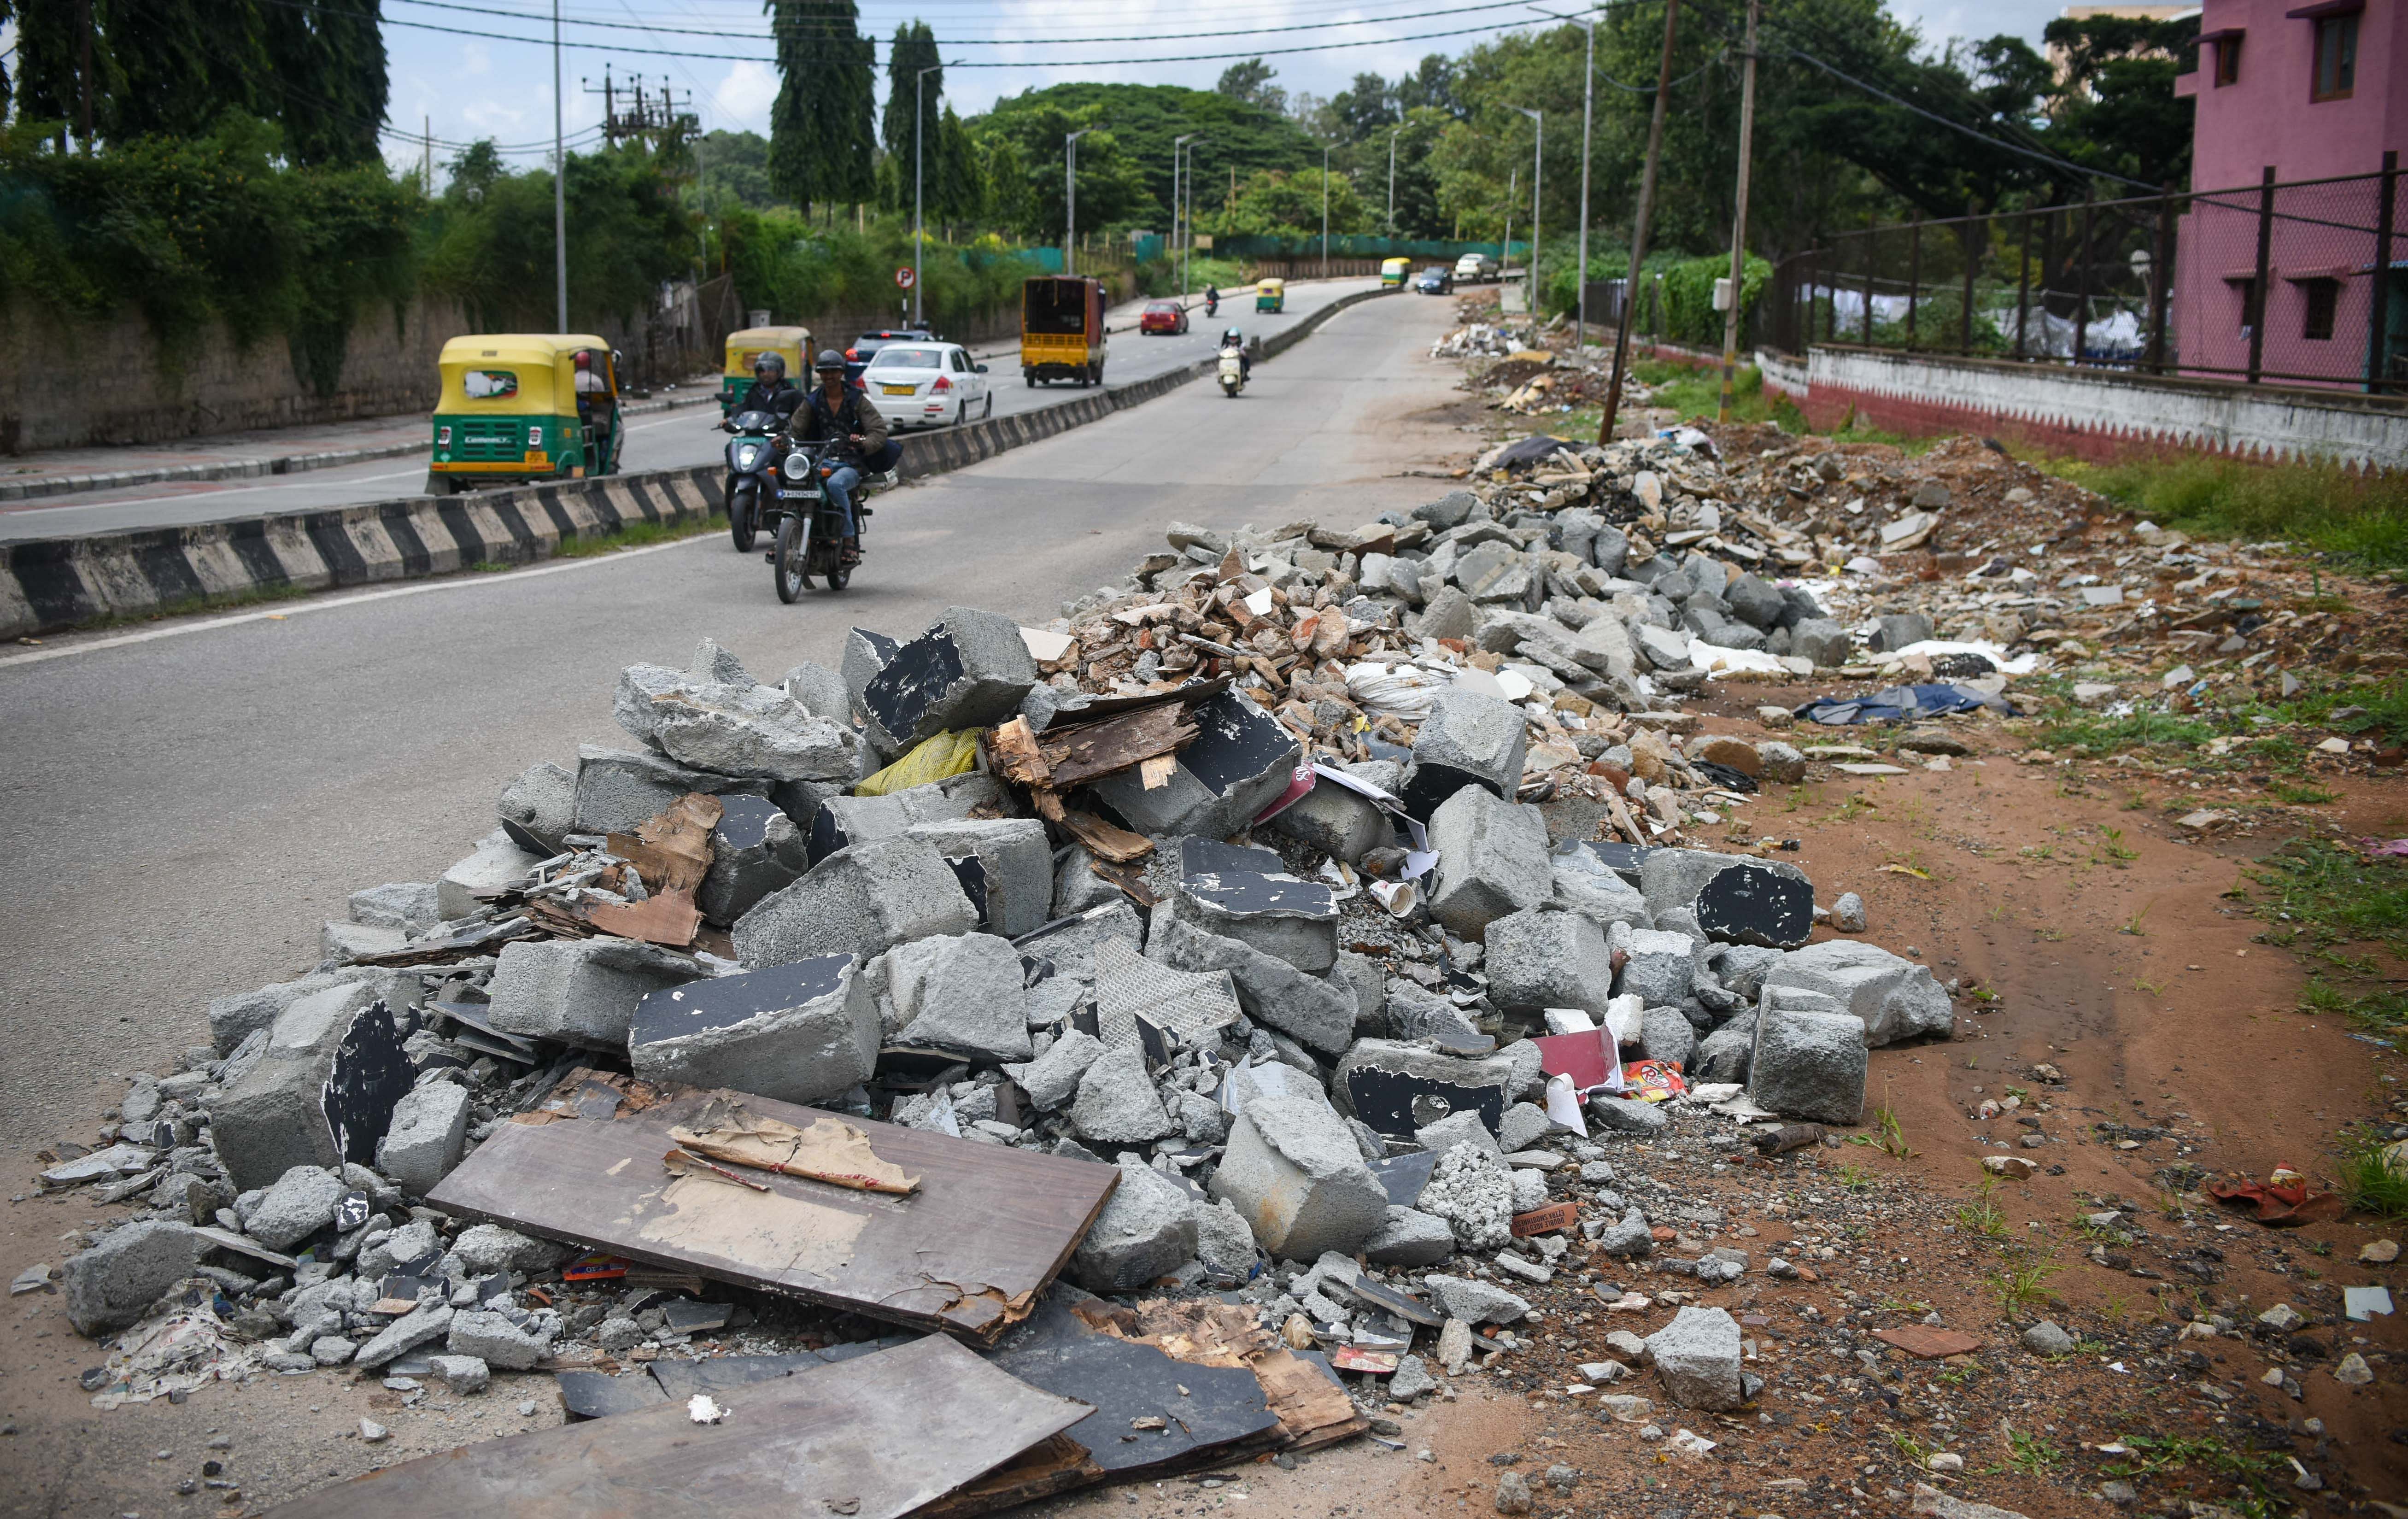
column 798, row 466
column 744, row 457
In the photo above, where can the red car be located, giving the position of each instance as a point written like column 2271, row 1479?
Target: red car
column 1169, row 317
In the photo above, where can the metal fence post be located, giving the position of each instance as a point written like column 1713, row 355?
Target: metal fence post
column 1831, row 281
column 2023, row 284
column 2262, row 296
column 2081, row 279
column 1870, row 243
column 1913, row 271
column 2378, row 306
column 2163, row 269
column 1965, row 308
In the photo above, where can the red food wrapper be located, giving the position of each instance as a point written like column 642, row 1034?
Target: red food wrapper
column 1653, row 1080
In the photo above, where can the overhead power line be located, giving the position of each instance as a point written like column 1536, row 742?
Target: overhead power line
column 808, row 28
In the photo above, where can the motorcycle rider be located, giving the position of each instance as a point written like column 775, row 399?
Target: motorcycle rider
column 1233, row 339
column 770, row 390
column 1211, row 300
column 835, row 412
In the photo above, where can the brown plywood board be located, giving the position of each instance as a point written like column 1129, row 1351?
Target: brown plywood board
column 967, row 1251
column 877, row 1437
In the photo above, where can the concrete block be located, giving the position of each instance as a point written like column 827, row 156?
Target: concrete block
column 1116, row 1103
column 1753, row 602
column 297, row 1205
column 1586, row 885
column 1452, row 509
column 1018, row 862
column 408, row 905
column 1736, row 899
column 1295, row 1174
column 1492, row 860
column 716, row 718
column 968, row 670
column 462, row 1375
column 756, row 849
column 1666, row 1034
column 1414, row 1014
column 1821, row 640
column 1897, row 631
column 319, row 1091
column 541, row 803
column 1626, row 1115
column 1465, row 1127
column 1698, row 1356
column 1627, row 1238
column 1316, row 1011
column 1241, row 762
column 1475, row 1303
column 1397, row 1087
column 581, row 991
column 428, row 1131
column 821, row 690
column 1466, row 740
column 862, row 900
column 1472, row 1189
column 1052, row 1079
column 1524, row 1125
column 1076, row 887
column 1223, row 1241
column 431, row 1320
column 619, row 788
column 807, row 1032
column 233, row 1019
column 109, row 1285
column 494, row 1339
column 865, row 654
column 843, row 821
column 1660, row 967
column 497, row 866
column 1408, row 1237
column 1541, row 959
column 1335, row 822
column 1809, row 1064
column 1895, row 997
column 1147, row 1230
column 959, row 992
column 1724, row 1054
column 484, row 1249
column 1251, row 896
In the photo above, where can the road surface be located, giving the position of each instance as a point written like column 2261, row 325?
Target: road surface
column 688, row 435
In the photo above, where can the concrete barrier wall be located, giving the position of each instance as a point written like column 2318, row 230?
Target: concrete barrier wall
column 52, row 583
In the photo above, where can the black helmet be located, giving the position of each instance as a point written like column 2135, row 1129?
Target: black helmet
column 770, row 359
column 828, row 359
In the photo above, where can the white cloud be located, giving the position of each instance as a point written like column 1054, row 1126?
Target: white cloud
column 476, row 58
column 744, row 97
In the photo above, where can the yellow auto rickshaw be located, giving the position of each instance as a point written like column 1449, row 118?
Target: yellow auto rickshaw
column 1392, row 272
column 792, row 344
column 1271, row 295
column 524, row 405
column 1062, row 330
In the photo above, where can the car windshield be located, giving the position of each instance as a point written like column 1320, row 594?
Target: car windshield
column 908, row 358
column 1163, row 309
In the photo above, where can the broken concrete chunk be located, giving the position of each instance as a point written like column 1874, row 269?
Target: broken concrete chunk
column 1466, row 740
column 428, row 1132
column 492, row 1339
column 1147, row 1230
column 300, row 1203
column 1660, row 967
column 233, row 1019
column 1584, row 884
column 806, row 1032
column 1241, row 762
column 858, row 820
column 1295, row 1174
column 755, row 849
column 1544, row 959
column 1408, row 1237
column 498, row 864
column 1314, row 1010
column 1899, row 631
column 1809, row 1064
column 1736, row 899
column 1458, row 1129
column 431, row 1320
column 1475, row 1303
column 1117, row 1103
column 1018, row 862
column 1251, row 896
column 1492, row 860
column 111, row 1285
column 1472, row 1189
column 961, row 993
column 1626, row 1115
column 1052, row 1079
column 1335, row 822
column 541, row 805
column 968, row 670
column 581, row 991
column 617, row 789
column 486, row 1248
column 408, row 905
column 1698, row 1356
column 715, row 718
column 320, row 1091
column 1397, row 1087
column 1223, row 1241
column 862, row 901
column 1667, row 1034
column 821, row 690
column 1894, row 998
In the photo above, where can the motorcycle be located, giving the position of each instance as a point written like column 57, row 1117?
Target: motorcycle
column 752, row 472
column 1232, row 372
column 1212, row 306
column 810, row 532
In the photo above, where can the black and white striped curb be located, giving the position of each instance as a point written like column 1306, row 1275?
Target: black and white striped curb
column 49, row 583
column 34, row 487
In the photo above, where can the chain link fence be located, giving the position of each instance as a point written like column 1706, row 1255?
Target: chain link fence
column 2291, row 283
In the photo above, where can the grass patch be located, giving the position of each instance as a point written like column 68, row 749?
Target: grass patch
column 2325, row 505
column 2030, row 1454
column 1699, row 392
column 1888, row 1135
column 640, row 536
column 258, row 595
column 2023, row 1285
column 2330, row 895
column 2072, row 731
column 2383, row 1012
column 1983, row 1215
column 2370, row 1185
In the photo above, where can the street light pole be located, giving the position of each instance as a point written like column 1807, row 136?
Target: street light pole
column 919, row 130
column 1325, row 210
column 1070, row 194
column 1739, row 222
column 1639, row 226
column 1588, row 112
column 1392, row 180
column 1537, row 157
column 559, row 181
column 1179, row 185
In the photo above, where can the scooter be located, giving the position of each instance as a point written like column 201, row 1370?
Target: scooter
column 752, row 472
column 809, row 531
column 1232, row 372
column 1212, row 306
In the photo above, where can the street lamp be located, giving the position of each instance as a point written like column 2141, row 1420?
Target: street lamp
column 1179, row 187
column 1392, row 181
column 919, row 130
column 1588, row 111
column 1070, row 189
column 1325, row 210
column 1538, row 156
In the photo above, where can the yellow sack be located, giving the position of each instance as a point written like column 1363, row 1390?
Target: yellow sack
column 931, row 759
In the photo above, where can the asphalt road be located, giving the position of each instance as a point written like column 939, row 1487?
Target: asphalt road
column 187, row 802
column 684, row 437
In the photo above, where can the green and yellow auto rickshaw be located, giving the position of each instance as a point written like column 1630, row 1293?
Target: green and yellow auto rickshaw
column 1270, row 294
column 524, row 406
column 1392, row 272
column 792, row 344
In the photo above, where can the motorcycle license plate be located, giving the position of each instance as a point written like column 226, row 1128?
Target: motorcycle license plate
column 901, row 389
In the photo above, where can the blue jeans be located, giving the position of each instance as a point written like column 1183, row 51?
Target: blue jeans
column 839, row 489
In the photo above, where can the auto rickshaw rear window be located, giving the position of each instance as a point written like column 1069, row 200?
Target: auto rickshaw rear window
column 1054, row 306
column 489, row 384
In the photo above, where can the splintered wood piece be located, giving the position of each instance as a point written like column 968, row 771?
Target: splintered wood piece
column 673, row 850
column 831, row 1150
column 1313, row 1408
column 1102, row 839
column 667, row 917
column 1090, row 750
column 1156, row 772
column 1129, row 877
column 1013, row 750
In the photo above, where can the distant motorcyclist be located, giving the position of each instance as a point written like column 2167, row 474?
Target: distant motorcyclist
column 1233, row 339
column 1211, row 301
column 835, row 412
column 770, row 390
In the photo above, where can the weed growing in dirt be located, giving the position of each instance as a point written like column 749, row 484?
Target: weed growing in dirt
column 1911, row 1448
column 2149, row 1455
column 1888, row 1135
column 1983, row 1215
column 2378, row 1012
column 2366, row 1180
column 2360, row 517
column 2133, row 925
column 2073, row 731
column 2023, row 1285
column 2296, row 795
column 2030, row 1454
column 1854, row 1177
column 638, row 536
column 2115, row 847
column 2334, row 895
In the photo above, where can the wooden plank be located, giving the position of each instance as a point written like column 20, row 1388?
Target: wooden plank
column 667, row 917
column 877, row 1437
column 967, row 1253
column 1091, row 750
column 673, row 850
column 1014, row 752
column 1102, row 839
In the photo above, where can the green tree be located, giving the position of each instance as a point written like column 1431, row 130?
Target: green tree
column 490, row 238
column 958, row 192
column 328, row 75
column 823, row 147
column 1250, row 80
column 1274, row 204
column 913, row 48
column 731, row 168
column 1143, row 121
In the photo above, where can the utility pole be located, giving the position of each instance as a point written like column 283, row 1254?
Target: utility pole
column 1638, row 231
column 1392, row 181
column 919, row 130
column 1505, row 249
column 1179, row 188
column 559, row 179
column 1538, row 151
column 1588, row 111
column 427, row 162
column 1325, row 210
column 1071, row 198
column 84, row 68
column 1738, row 220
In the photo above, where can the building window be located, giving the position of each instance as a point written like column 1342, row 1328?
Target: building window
column 2336, row 57
column 2228, row 60
column 2324, row 299
column 2247, row 290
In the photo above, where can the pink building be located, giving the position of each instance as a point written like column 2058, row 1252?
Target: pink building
column 2313, row 92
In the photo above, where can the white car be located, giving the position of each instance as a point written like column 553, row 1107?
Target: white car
column 920, row 384
column 1473, row 268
